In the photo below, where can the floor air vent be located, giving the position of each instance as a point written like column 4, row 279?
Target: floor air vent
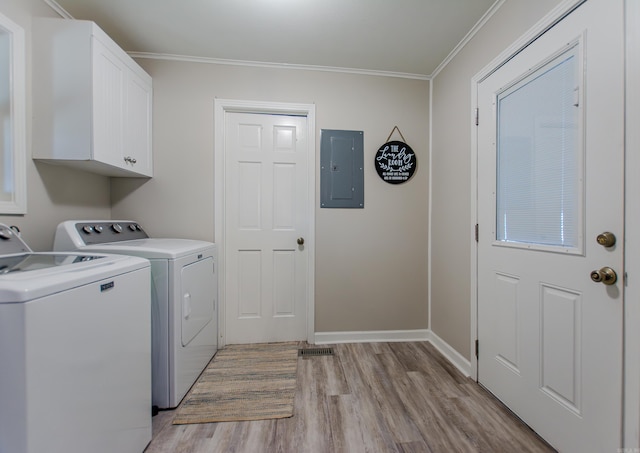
column 314, row 352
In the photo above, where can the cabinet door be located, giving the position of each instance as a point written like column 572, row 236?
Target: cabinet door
column 137, row 126
column 109, row 75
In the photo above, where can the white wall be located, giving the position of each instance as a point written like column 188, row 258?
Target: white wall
column 53, row 193
column 371, row 263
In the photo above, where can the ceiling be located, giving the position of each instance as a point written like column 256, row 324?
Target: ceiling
column 401, row 37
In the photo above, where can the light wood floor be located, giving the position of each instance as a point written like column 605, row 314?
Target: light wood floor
column 369, row 397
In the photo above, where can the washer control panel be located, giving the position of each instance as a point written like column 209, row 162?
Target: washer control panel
column 103, row 232
column 10, row 241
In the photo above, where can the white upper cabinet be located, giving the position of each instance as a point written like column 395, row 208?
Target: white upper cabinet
column 92, row 102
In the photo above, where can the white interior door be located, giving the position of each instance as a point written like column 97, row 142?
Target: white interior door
column 550, row 180
column 265, row 227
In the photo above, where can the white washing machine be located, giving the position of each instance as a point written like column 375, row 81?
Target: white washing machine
column 184, row 292
column 75, row 351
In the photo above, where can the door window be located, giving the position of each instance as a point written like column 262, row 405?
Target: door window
column 539, row 164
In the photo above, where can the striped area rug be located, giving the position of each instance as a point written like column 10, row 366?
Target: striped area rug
column 243, row 382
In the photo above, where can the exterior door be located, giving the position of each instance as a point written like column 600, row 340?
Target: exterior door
column 550, row 181
column 265, row 227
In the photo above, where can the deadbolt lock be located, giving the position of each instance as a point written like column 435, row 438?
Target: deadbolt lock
column 605, row 275
column 606, row 239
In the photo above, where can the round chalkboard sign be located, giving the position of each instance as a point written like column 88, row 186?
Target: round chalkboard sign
column 395, row 162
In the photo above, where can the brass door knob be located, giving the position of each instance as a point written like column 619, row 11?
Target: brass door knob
column 300, row 241
column 606, row 239
column 605, row 275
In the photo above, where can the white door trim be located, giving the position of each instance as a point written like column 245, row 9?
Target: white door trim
column 221, row 106
column 631, row 390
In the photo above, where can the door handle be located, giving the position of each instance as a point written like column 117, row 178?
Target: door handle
column 186, row 305
column 300, row 241
column 605, row 275
column 606, row 239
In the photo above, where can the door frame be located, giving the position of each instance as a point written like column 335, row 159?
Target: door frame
column 631, row 339
column 631, row 386
column 221, row 107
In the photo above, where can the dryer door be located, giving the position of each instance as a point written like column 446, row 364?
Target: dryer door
column 198, row 298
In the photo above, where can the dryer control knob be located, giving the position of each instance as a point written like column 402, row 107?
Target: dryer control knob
column 87, row 229
column 116, row 227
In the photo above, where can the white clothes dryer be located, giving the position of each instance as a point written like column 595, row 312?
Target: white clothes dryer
column 75, row 351
column 184, row 293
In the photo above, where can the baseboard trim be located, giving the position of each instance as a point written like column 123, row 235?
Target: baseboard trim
column 460, row 362
column 374, row 336
column 378, row 336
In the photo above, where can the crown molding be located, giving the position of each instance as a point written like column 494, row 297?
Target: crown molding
column 58, row 9
column 468, row 37
column 261, row 64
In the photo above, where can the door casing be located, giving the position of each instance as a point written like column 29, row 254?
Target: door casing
column 631, row 389
column 221, row 106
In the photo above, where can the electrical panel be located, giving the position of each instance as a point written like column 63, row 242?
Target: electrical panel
column 341, row 169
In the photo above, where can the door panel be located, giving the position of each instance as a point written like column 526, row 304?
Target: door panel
column 506, row 321
column 108, row 95
column 266, row 212
column 249, row 275
column 550, row 166
column 284, row 262
column 560, row 337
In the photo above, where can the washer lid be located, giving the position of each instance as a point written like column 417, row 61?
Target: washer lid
column 34, row 261
column 154, row 248
column 30, row 276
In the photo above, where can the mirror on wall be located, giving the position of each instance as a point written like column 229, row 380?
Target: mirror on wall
column 13, row 197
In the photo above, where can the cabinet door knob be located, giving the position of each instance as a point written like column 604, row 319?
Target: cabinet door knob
column 130, row 160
